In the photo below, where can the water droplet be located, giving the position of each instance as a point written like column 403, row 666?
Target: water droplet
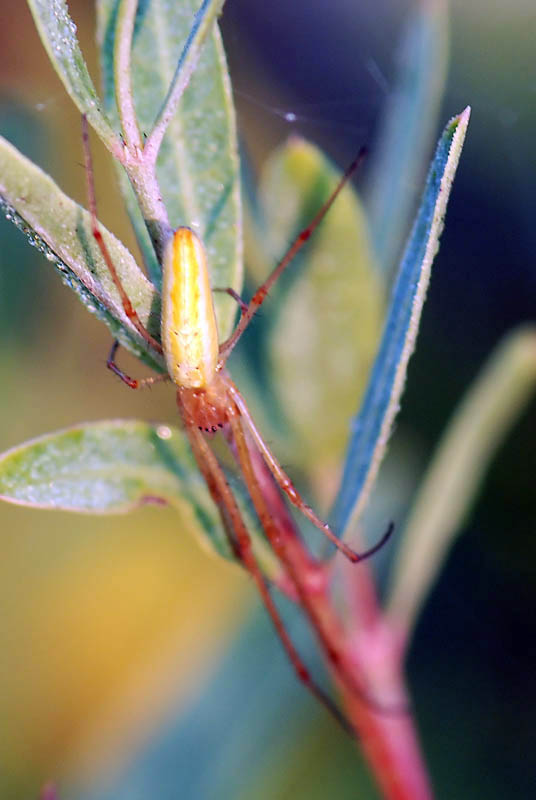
column 163, row 432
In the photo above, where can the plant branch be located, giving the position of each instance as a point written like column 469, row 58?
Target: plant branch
column 144, row 182
column 365, row 663
column 123, row 85
column 202, row 26
column 141, row 171
column 389, row 741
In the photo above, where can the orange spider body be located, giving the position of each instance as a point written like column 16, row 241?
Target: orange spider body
column 189, row 330
column 190, row 335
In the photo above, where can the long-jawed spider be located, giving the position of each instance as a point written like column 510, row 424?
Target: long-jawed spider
column 209, row 402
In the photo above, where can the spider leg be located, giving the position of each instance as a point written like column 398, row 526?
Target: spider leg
column 128, row 308
column 236, row 297
column 241, row 540
column 132, row 383
column 260, row 295
column 290, row 490
column 291, row 554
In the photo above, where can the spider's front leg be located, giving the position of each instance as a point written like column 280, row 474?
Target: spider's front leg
column 132, row 383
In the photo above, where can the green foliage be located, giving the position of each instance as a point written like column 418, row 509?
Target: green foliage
column 198, row 170
column 61, row 230
column 333, row 292
column 197, row 166
column 113, row 467
column 58, row 34
column 130, row 463
column 199, row 151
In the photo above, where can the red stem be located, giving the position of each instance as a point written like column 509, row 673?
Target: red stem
column 365, row 660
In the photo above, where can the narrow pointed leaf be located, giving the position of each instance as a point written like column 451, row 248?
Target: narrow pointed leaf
column 113, row 467
column 479, row 426
column 374, row 422
column 197, row 167
column 58, row 34
column 202, row 24
column 406, row 135
column 61, row 229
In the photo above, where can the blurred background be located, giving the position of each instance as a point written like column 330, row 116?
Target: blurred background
column 123, row 651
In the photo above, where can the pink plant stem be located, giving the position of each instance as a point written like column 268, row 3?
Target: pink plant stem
column 48, row 792
column 389, row 741
column 365, row 659
column 391, row 748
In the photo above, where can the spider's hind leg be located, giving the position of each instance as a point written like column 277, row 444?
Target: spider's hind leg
column 240, row 542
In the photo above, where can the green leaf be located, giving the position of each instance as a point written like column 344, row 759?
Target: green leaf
column 327, row 319
column 479, row 426
column 374, row 422
column 61, row 230
column 109, row 467
column 197, row 169
column 58, row 34
column 203, row 22
column 407, row 130
column 112, row 467
column 99, row 468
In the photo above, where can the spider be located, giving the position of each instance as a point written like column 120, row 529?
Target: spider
column 209, row 402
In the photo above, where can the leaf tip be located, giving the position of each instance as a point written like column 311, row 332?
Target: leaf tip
column 461, row 119
column 456, row 130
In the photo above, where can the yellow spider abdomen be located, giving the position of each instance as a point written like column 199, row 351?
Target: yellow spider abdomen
column 189, row 330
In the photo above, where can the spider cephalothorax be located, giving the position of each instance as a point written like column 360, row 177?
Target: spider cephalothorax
column 208, row 407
